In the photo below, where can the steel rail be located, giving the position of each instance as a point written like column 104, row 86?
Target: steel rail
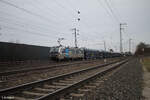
column 16, row 89
column 56, row 94
column 36, row 69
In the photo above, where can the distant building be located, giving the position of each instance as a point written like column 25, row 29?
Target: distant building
column 143, row 49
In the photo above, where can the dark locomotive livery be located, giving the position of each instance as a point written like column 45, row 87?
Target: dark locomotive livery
column 63, row 53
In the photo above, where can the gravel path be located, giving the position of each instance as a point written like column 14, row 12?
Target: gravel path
column 125, row 84
column 146, row 89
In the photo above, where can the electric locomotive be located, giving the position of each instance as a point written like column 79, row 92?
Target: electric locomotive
column 66, row 53
column 56, row 53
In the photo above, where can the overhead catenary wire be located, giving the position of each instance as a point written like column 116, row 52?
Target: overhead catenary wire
column 64, row 8
column 37, row 14
column 27, row 31
column 107, row 11
column 70, row 11
column 82, row 22
column 34, row 4
column 115, row 10
column 21, row 8
column 24, row 25
column 22, row 28
column 111, row 10
column 28, row 22
column 27, row 11
column 115, row 17
column 48, row 10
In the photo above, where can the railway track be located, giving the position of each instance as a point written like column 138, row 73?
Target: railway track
column 7, row 73
column 54, row 88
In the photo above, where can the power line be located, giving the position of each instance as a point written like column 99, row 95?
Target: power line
column 74, row 10
column 72, row 6
column 114, row 8
column 70, row 12
column 28, row 32
column 107, row 11
column 27, row 25
column 25, row 10
column 62, row 6
column 28, row 22
column 49, row 10
column 21, row 8
column 111, row 10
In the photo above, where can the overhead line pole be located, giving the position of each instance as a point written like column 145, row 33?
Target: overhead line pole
column 0, row 29
column 130, row 45
column 75, row 36
column 120, row 39
column 121, row 28
column 104, row 45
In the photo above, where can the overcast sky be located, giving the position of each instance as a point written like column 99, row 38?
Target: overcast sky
column 42, row 22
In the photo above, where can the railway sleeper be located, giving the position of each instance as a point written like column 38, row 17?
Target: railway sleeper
column 64, row 99
column 60, row 84
column 26, row 96
column 34, row 93
column 78, row 96
column 53, row 86
column 91, row 90
column 67, row 81
column 21, row 98
column 74, row 79
column 87, row 92
column 44, row 89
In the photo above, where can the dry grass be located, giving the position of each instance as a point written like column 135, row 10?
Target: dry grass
column 146, row 63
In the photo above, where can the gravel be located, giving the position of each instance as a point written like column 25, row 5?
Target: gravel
column 125, row 84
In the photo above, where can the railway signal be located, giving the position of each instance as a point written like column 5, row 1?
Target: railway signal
column 76, row 31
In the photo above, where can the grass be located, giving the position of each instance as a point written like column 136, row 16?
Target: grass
column 146, row 63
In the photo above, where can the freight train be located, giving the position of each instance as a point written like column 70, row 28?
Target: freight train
column 70, row 53
column 11, row 52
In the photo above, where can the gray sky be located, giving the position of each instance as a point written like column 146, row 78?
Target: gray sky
column 42, row 22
